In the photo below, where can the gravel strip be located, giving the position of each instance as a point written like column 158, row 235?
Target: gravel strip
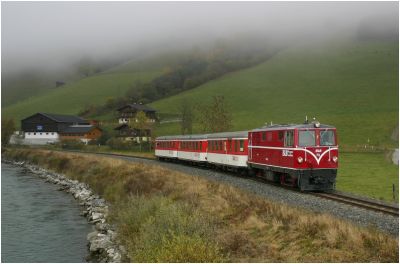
column 383, row 222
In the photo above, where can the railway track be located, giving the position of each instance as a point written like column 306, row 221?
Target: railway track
column 334, row 196
column 360, row 202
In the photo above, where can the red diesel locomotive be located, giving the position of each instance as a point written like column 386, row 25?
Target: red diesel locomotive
column 302, row 155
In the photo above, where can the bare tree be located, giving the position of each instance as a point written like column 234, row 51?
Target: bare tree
column 215, row 117
column 186, row 112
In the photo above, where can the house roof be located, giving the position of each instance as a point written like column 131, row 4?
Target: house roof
column 62, row 118
column 138, row 107
column 79, row 129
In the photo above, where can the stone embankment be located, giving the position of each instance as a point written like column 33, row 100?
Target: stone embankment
column 102, row 242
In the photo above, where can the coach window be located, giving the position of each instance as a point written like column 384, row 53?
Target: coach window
column 264, row 136
column 241, row 145
column 289, row 136
column 306, row 138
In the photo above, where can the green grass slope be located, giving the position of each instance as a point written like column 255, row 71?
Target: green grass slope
column 73, row 97
column 352, row 85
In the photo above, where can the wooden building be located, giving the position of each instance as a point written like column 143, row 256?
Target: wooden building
column 133, row 134
column 127, row 113
column 85, row 133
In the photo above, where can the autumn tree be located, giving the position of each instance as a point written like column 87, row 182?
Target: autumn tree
column 215, row 117
column 142, row 124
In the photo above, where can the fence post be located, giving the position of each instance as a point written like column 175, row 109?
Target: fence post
column 394, row 190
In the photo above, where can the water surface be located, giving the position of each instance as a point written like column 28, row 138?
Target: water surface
column 39, row 223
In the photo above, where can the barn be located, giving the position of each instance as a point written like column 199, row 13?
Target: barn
column 45, row 128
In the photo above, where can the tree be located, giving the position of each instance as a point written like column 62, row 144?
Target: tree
column 142, row 124
column 215, row 117
column 187, row 117
column 7, row 129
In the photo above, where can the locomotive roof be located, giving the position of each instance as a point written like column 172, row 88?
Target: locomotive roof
column 237, row 134
column 290, row 126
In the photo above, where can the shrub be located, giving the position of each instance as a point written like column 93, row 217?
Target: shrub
column 72, row 144
column 158, row 229
column 120, row 144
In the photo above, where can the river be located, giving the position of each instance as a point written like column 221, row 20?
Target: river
column 39, row 223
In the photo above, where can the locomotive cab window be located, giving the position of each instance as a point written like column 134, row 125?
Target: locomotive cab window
column 280, row 135
column 327, row 138
column 289, row 138
column 306, row 138
column 264, row 136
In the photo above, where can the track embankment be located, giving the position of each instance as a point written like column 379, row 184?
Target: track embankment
column 196, row 219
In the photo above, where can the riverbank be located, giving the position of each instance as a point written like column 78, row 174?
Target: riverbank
column 102, row 243
column 190, row 219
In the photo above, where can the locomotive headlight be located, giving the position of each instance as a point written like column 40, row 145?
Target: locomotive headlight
column 334, row 158
column 300, row 159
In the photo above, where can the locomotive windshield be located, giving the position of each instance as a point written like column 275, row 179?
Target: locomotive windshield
column 327, row 138
column 306, row 138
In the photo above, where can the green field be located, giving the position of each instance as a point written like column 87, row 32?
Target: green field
column 353, row 86
column 72, row 98
column 369, row 174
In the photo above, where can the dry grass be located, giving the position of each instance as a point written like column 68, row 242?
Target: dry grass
column 248, row 228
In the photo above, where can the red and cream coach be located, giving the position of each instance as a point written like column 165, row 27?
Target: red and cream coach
column 299, row 155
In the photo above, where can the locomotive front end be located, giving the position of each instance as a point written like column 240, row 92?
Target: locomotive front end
column 316, row 158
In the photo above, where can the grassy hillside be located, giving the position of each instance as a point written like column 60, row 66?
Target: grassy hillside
column 353, row 86
column 73, row 97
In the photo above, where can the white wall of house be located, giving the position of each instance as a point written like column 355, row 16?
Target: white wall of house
column 41, row 135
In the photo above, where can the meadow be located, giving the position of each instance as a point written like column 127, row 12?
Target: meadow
column 368, row 174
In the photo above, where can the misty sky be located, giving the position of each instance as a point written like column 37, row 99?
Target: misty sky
column 53, row 33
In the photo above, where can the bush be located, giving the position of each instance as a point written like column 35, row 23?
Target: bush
column 158, row 229
column 71, row 144
column 120, row 144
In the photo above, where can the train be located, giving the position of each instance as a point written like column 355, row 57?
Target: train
column 303, row 156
